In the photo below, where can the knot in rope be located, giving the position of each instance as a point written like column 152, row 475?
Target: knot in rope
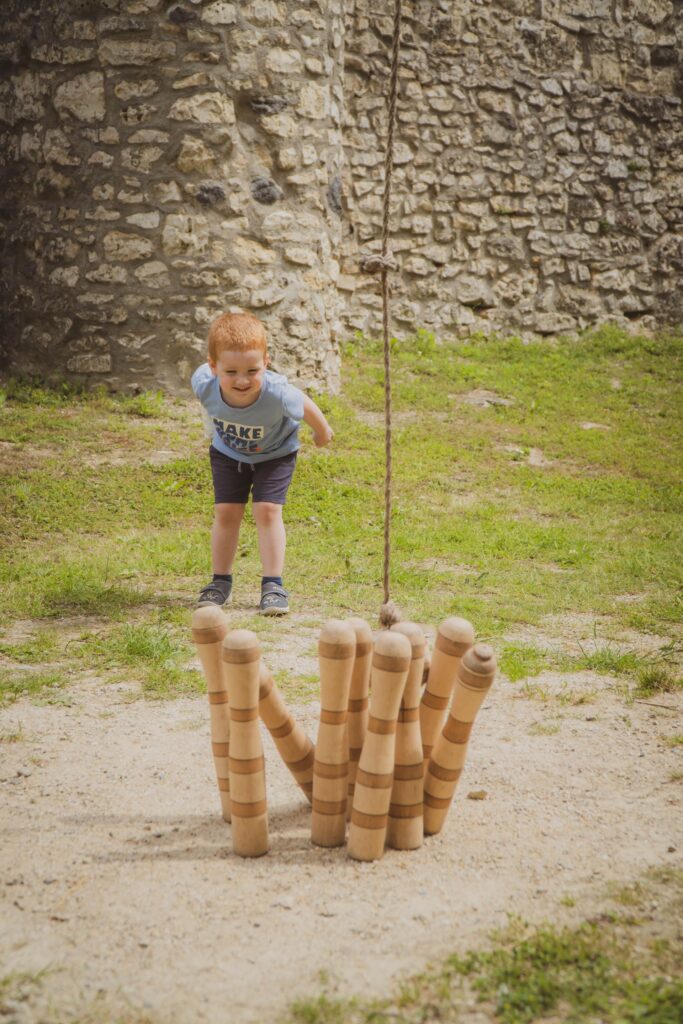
column 375, row 263
column 389, row 614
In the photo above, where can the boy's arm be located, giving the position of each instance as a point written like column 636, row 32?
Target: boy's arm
column 203, row 379
column 314, row 417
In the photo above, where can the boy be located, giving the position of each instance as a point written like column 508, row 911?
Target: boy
column 256, row 416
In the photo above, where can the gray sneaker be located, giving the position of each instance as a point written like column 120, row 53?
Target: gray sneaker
column 274, row 600
column 219, row 592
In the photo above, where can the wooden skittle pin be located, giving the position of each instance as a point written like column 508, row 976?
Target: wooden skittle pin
column 241, row 655
column 358, row 699
column 336, row 651
column 375, row 776
column 455, row 636
column 209, row 627
column 475, row 676
column 295, row 748
column 404, row 828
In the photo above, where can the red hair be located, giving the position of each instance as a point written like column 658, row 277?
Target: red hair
column 236, row 332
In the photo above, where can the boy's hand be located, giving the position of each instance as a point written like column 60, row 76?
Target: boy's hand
column 323, row 437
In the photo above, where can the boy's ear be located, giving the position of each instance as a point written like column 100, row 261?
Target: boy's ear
column 266, row 359
column 212, row 365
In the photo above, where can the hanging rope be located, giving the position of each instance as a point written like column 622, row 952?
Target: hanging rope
column 372, row 263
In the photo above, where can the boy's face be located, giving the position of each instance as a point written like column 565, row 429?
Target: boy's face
column 240, row 375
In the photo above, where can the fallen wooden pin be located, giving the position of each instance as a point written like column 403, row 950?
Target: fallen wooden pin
column 392, row 768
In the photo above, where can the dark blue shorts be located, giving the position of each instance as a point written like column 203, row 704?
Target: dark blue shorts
column 233, row 480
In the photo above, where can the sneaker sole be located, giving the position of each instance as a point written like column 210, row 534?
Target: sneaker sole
column 273, row 611
column 205, row 604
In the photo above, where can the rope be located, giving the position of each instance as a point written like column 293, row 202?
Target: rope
column 373, row 264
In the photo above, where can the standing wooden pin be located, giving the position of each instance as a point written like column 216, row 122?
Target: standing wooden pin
column 372, row 795
column 404, row 828
column 336, row 651
column 295, row 748
column 242, row 656
column 358, row 699
column 475, row 675
column 455, row 636
column 209, row 626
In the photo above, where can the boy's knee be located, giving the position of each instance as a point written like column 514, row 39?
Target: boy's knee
column 227, row 514
column 267, row 512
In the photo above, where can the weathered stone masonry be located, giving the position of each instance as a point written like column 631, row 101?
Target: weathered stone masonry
column 165, row 161
column 162, row 161
column 540, row 164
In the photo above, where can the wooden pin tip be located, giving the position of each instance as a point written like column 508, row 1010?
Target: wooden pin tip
column 392, row 645
column 240, row 640
column 457, row 630
column 480, row 658
column 336, row 631
column 209, row 616
column 361, row 629
column 412, row 631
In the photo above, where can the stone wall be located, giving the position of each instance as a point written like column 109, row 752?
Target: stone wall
column 539, row 184
column 164, row 162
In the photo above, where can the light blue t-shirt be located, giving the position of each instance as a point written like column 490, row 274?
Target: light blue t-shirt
column 266, row 429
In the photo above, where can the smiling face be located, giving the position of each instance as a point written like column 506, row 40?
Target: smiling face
column 240, row 375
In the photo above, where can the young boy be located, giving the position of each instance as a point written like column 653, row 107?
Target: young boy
column 256, row 416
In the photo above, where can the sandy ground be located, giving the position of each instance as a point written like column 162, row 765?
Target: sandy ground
column 116, row 870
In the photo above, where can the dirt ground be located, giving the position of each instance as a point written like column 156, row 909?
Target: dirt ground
column 117, row 877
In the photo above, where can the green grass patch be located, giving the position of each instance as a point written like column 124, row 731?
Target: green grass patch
column 152, row 654
column 657, row 679
column 15, row 684
column 96, row 520
column 35, row 649
column 615, row 968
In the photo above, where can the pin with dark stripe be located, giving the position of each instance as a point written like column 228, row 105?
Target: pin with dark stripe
column 374, row 779
column 404, row 828
column 242, row 656
column 336, row 651
column 209, row 626
column 455, row 636
column 358, row 699
column 475, row 676
column 295, row 748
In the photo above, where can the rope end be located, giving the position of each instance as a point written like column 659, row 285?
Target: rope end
column 389, row 614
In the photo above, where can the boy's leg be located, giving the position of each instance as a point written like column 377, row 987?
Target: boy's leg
column 271, row 482
column 272, row 539
column 225, row 536
column 231, row 485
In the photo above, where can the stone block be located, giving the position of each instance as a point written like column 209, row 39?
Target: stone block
column 252, row 253
column 299, row 255
column 134, row 52
column 149, row 219
column 90, row 362
column 122, row 247
column 184, row 234
column 284, row 62
column 195, row 157
column 204, row 108
column 270, row 295
column 81, row 97
column 141, row 158
column 153, row 274
column 314, row 101
column 219, row 13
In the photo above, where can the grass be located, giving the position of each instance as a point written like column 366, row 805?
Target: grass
column 95, row 523
column 45, row 685
column 152, row 653
column 615, row 968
